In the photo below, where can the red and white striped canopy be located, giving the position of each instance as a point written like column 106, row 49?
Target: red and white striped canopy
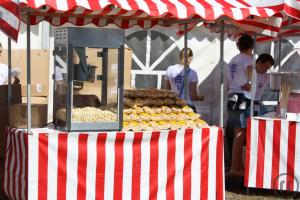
column 285, row 31
column 9, row 18
column 290, row 7
column 127, row 13
column 291, row 16
column 255, row 15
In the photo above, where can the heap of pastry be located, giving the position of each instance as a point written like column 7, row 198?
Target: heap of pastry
column 152, row 109
column 151, row 97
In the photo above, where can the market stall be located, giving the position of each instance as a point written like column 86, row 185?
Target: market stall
column 51, row 164
column 272, row 139
column 143, row 165
column 161, row 163
column 272, row 151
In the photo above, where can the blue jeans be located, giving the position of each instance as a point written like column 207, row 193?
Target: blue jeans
column 246, row 114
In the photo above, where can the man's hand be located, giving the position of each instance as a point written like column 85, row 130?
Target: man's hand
column 246, row 87
column 16, row 81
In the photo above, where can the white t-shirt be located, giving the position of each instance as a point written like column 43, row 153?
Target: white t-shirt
column 237, row 76
column 175, row 75
column 237, row 73
column 15, row 72
column 261, row 82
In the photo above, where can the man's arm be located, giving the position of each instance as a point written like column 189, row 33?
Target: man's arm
column 249, row 72
column 247, row 86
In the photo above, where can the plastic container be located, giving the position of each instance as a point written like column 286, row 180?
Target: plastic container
column 294, row 103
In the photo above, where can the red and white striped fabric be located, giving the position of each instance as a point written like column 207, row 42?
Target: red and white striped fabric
column 9, row 18
column 284, row 32
column 185, row 164
column 287, row 8
column 249, row 15
column 145, row 13
column 270, row 28
column 255, row 23
column 290, row 7
column 272, row 154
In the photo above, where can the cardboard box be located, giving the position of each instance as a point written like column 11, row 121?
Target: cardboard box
column 95, row 87
column 18, row 115
column 37, row 90
column 36, row 100
column 39, row 69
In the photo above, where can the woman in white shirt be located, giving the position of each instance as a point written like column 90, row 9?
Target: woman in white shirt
column 175, row 79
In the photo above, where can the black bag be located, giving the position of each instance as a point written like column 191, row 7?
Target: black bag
column 238, row 101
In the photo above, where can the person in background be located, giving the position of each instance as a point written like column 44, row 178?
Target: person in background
column 175, row 79
column 239, row 100
column 237, row 79
column 263, row 63
column 15, row 72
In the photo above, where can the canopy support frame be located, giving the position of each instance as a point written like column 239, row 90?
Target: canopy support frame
column 279, row 52
column 253, row 83
column 28, row 63
column 222, row 38
column 9, row 92
column 185, row 81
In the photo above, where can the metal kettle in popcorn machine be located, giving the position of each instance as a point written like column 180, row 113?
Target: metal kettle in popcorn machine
column 85, row 99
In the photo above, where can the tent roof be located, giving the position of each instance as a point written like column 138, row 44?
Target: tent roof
column 248, row 14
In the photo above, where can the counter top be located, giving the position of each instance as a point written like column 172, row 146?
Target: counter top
column 274, row 116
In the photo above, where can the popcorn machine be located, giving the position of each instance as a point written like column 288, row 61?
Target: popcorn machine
column 88, row 79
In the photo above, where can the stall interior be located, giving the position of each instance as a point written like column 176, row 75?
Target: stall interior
column 88, row 88
column 91, row 101
column 287, row 84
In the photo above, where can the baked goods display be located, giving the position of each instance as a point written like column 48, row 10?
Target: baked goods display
column 145, row 110
column 160, row 118
column 151, row 97
column 152, row 109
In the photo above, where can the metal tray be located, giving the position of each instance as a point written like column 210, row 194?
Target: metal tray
column 293, row 78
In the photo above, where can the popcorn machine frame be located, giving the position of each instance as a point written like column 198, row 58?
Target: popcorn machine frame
column 68, row 39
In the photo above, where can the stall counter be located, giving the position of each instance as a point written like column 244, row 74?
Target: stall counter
column 46, row 164
column 272, row 154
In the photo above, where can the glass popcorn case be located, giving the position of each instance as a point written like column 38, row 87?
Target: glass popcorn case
column 88, row 79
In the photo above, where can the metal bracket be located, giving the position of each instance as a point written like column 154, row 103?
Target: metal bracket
column 100, row 54
column 99, row 77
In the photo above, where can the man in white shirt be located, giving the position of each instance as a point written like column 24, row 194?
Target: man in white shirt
column 241, row 85
column 175, row 79
column 263, row 63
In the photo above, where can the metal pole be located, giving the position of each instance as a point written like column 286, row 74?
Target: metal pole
column 185, row 83
column 9, row 79
column 120, row 85
column 279, row 53
column 253, row 85
column 279, row 58
column 222, row 74
column 28, row 76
